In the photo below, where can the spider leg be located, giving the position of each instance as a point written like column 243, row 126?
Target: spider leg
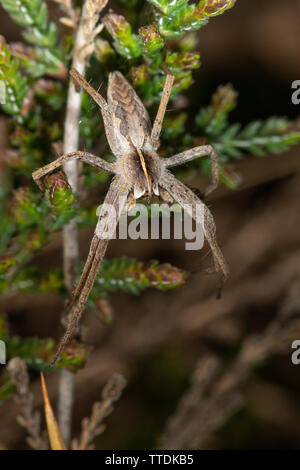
column 84, row 156
column 156, row 129
column 79, row 80
column 106, row 110
column 198, row 152
column 193, row 205
column 111, row 209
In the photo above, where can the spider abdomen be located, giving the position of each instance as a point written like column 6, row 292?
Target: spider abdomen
column 131, row 123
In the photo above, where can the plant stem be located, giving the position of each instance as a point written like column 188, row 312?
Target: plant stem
column 65, row 404
column 84, row 38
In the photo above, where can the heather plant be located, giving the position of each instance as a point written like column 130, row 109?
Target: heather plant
column 38, row 98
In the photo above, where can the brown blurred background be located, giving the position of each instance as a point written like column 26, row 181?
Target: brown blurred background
column 157, row 340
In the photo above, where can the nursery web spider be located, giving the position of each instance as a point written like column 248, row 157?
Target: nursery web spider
column 139, row 171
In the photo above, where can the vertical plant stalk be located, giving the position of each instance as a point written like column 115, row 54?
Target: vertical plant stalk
column 65, row 403
column 83, row 47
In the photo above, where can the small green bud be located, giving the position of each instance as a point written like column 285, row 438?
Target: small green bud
column 126, row 43
column 167, row 6
column 25, row 210
column 183, row 81
column 59, row 191
column 163, row 276
column 152, row 40
column 117, row 26
column 216, row 7
column 74, row 356
column 16, row 87
column 103, row 50
column 225, row 98
column 178, row 61
column 139, row 75
column 188, row 43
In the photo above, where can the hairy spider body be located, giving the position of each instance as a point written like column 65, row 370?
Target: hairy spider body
column 139, row 164
column 130, row 119
column 142, row 170
column 139, row 171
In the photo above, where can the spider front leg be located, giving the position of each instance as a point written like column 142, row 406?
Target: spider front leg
column 156, row 129
column 80, row 81
column 193, row 206
column 198, row 152
column 84, row 156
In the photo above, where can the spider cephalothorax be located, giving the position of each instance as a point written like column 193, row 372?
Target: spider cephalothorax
column 139, row 171
column 142, row 170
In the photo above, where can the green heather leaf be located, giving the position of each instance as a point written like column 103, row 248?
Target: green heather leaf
column 41, row 33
